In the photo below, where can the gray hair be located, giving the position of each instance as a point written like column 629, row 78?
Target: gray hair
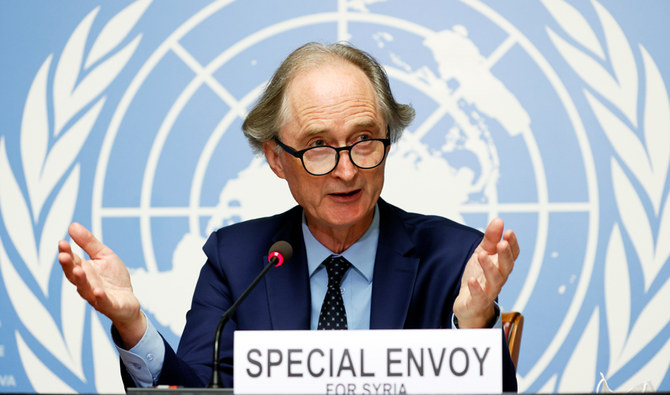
column 269, row 114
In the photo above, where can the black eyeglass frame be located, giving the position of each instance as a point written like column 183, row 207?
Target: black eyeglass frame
column 299, row 154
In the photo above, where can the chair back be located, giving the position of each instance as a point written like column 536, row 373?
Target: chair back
column 513, row 326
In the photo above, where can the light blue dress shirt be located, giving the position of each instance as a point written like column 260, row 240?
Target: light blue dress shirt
column 144, row 362
column 356, row 284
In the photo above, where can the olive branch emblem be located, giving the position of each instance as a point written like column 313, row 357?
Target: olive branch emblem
column 637, row 124
column 50, row 143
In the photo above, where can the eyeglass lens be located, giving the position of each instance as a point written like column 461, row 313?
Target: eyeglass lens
column 364, row 154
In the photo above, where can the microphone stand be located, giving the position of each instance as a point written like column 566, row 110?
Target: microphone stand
column 215, row 381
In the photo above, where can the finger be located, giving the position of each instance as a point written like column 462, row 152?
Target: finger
column 494, row 280
column 65, row 256
column 492, row 235
column 101, row 299
column 510, row 237
column 66, row 249
column 81, row 280
column 477, row 294
column 67, row 259
column 85, row 239
column 477, row 310
column 479, row 300
column 505, row 260
column 91, row 288
column 64, row 246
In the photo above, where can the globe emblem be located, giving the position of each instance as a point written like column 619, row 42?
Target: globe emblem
column 175, row 166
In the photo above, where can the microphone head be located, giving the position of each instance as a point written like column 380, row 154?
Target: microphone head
column 280, row 250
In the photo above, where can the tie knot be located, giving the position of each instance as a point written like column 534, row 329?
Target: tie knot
column 336, row 267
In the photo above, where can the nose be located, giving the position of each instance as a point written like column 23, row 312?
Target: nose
column 345, row 168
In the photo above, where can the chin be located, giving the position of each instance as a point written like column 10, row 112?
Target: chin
column 348, row 217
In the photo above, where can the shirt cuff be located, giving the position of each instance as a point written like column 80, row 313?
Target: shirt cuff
column 144, row 362
column 496, row 325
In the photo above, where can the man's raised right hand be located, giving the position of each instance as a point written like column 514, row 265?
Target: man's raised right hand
column 104, row 282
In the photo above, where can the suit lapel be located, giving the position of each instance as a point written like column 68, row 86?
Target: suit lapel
column 394, row 275
column 395, row 272
column 288, row 285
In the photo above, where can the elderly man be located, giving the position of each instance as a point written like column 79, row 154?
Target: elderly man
column 325, row 124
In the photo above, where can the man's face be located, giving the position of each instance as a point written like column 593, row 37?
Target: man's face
column 331, row 104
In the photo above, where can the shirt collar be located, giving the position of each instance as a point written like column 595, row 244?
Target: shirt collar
column 361, row 254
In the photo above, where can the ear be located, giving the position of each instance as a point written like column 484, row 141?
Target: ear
column 272, row 156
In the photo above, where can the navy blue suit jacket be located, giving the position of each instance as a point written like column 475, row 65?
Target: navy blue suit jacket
column 418, row 266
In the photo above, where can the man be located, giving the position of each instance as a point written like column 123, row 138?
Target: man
column 325, row 123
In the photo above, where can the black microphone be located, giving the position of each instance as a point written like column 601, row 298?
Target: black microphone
column 279, row 253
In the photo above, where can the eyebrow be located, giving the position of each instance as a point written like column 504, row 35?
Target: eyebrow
column 368, row 124
column 312, row 131
column 363, row 124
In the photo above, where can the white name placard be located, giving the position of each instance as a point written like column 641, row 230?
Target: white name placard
column 368, row 362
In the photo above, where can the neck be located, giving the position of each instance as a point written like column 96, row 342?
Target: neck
column 340, row 239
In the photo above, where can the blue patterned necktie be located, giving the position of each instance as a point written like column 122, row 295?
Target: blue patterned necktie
column 333, row 314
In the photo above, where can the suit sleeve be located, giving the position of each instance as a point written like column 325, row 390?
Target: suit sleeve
column 191, row 365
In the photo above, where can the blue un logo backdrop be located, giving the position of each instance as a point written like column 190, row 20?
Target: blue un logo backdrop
column 125, row 116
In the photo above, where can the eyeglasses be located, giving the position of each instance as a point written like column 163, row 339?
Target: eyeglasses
column 321, row 160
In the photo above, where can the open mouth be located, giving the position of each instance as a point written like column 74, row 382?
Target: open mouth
column 346, row 194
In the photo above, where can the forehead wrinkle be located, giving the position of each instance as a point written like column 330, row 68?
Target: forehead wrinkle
column 318, row 109
column 361, row 115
